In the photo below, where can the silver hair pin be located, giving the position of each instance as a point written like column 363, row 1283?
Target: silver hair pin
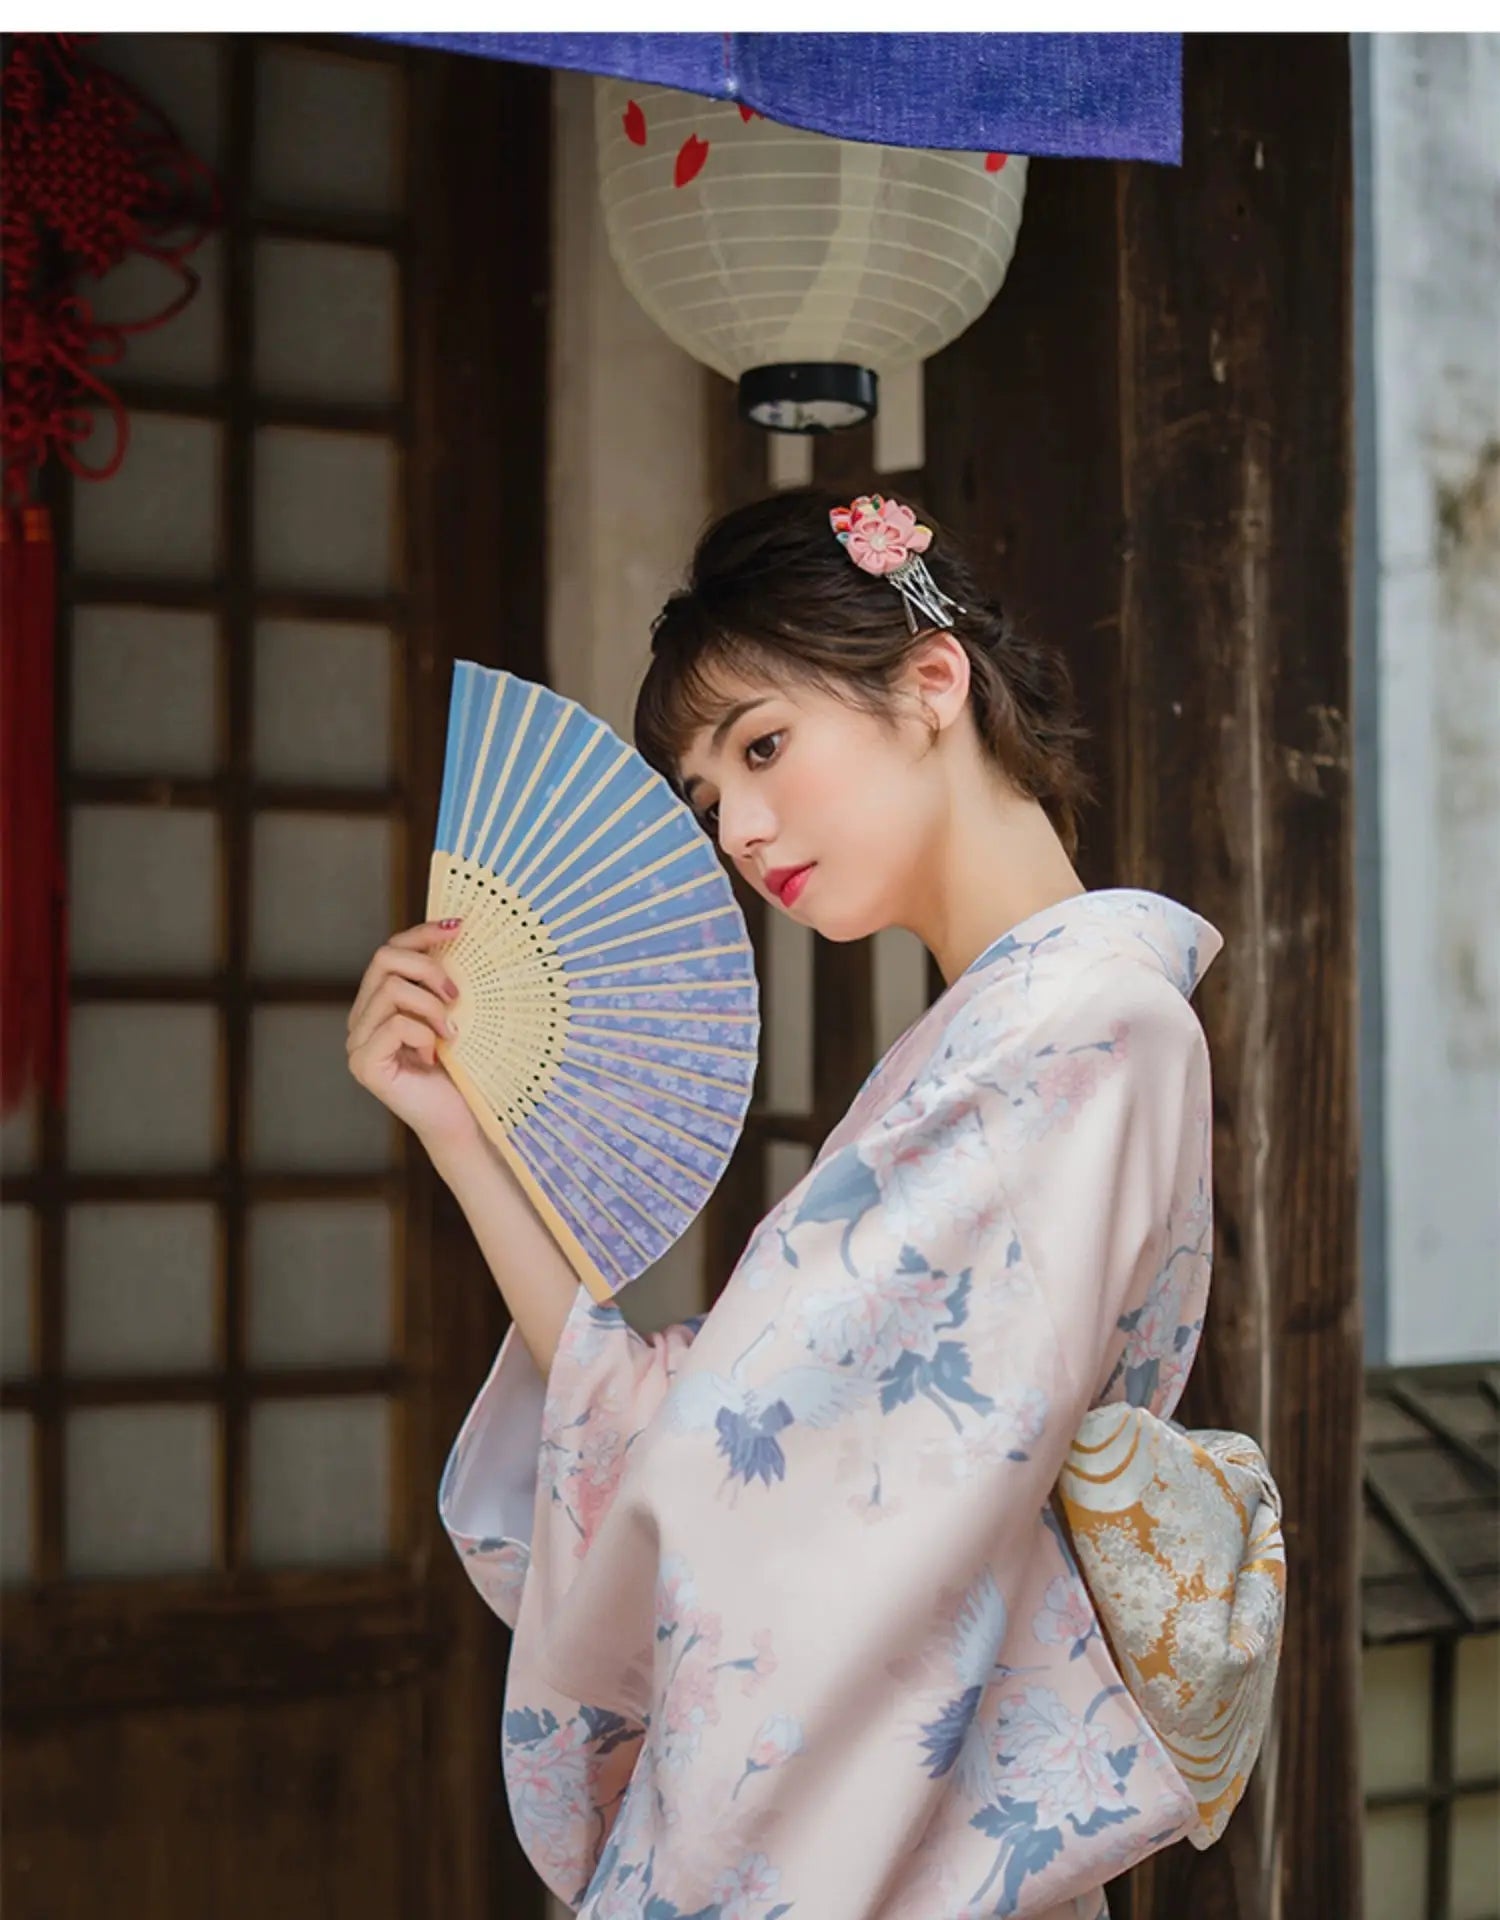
column 885, row 538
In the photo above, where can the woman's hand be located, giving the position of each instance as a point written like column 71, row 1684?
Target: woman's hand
column 402, row 1007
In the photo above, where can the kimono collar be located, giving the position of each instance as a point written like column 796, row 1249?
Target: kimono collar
column 1126, row 920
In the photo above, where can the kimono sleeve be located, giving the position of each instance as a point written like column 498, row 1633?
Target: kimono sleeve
column 562, row 1439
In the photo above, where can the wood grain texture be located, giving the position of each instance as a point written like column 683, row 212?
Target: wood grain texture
column 1149, row 435
column 237, row 638
column 1236, row 387
column 479, row 315
column 1023, row 455
column 234, row 1811
column 85, row 1652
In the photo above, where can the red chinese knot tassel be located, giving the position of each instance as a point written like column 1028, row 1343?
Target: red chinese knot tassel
column 89, row 173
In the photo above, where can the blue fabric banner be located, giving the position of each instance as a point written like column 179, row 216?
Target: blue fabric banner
column 1087, row 95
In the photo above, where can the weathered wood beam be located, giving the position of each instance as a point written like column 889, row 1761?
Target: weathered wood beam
column 1236, row 463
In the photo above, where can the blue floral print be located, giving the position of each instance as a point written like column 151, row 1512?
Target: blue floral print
column 797, row 1630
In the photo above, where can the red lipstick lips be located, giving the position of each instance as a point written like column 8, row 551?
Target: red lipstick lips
column 787, row 882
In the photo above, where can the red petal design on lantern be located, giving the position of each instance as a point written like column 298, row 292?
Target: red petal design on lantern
column 747, row 114
column 635, row 125
column 993, row 162
column 690, row 160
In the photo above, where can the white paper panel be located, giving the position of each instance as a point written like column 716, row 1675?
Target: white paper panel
column 328, row 132
column 788, row 977
column 17, row 1270
column 320, row 1482
column 1395, row 1863
column 144, row 691
column 307, row 1111
column 145, row 886
column 323, row 703
column 141, row 1289
column 139, row 1490
column 143, row 1089
column 18, row 1137
column 321, row 894
column 188, row 349
column 15, row 1497
column 320, row 1283
column 326, row 321
column 786, row 1162
column 325, row 510
column 1476, row 1709
column 1476, row 1852
column 900, row 985
column 159, row 516
column 1394, row 1719
column 180, row 73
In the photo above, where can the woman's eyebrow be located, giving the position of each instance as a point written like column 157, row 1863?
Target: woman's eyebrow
column 716, row 740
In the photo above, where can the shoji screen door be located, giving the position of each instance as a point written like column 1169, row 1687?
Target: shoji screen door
column 238, row 1669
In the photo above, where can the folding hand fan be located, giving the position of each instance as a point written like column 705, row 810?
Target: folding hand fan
column 608, row 1014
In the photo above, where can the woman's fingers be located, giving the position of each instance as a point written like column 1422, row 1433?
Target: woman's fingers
column 404, row 955
column 395, row 994
column 387, row 1039
column 426, row 933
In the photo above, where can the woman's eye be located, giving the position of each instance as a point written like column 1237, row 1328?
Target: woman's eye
column 759, row 753
column 753, row 750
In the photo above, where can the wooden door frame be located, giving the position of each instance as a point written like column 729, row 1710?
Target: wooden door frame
column 480, row 330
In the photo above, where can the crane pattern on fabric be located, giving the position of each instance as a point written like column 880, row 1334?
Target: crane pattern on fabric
column 795, row 1629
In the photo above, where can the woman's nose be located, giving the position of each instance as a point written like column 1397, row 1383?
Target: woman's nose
column 744, row 825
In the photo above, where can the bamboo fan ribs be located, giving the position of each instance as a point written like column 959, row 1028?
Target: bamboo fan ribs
column 608, row 1013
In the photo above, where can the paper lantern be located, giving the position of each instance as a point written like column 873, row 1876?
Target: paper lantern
column 801, row 266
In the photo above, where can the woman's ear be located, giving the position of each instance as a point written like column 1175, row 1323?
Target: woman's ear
column 937, row 675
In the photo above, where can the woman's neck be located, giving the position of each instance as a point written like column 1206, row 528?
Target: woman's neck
column 999, row 861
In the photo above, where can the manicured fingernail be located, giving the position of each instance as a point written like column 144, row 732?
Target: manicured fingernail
column 450, row 987
column 450, row 923
column 453, row 1027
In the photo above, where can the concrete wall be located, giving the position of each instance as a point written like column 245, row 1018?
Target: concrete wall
column 1434, row 335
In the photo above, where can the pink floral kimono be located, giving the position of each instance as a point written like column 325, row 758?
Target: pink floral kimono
column 796, row 1632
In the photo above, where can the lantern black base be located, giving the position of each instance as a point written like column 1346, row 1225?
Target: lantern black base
column 809, row 396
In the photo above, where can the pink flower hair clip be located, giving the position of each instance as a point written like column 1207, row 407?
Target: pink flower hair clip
column 883, row 537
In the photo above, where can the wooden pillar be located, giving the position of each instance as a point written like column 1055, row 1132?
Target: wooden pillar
column 1150, row 434
column 479, row 324
column 1237, row 453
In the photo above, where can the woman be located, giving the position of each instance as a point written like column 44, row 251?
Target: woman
column 795, row 1631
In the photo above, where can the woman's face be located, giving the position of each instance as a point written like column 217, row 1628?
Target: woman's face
column 793, row 777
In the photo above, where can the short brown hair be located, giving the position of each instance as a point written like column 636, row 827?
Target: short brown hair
column 772, row 594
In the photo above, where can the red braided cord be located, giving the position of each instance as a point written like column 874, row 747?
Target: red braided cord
column 89, row 173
